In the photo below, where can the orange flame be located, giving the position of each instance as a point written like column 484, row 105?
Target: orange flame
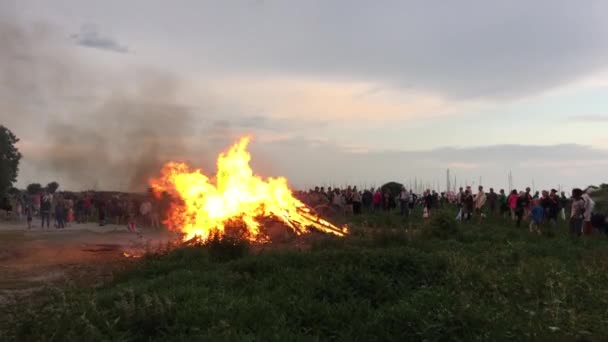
column 236, row 193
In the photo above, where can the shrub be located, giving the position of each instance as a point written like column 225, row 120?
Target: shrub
column 225, row 248
column 442, row 225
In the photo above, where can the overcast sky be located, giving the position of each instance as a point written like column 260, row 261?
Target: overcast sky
column 332, row 92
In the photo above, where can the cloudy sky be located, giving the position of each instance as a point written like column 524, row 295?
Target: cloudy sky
column 332, row 92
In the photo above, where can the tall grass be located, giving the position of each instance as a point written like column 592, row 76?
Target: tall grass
column 421, row 281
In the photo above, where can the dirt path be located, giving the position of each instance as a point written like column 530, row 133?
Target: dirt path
column 83, row 254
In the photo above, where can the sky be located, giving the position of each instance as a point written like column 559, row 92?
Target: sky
column 332, row 92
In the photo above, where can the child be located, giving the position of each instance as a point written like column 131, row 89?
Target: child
column 537, row 215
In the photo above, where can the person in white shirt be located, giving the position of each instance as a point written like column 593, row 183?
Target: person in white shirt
column 480, row 202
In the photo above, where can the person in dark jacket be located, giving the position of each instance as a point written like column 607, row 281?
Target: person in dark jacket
column 45, row 210
column 523, row 203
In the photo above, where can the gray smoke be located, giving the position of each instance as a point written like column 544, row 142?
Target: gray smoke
column 82, row 127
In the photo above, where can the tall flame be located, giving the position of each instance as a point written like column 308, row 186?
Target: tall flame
column 235, row 194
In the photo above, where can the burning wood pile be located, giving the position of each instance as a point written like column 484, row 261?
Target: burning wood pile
column 205, row 206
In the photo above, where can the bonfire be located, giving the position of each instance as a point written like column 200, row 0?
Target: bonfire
column 207, row 206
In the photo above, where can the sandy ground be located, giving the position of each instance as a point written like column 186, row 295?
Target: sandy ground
column 82, row 254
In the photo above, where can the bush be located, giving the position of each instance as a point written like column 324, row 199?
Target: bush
column 442, row 226
column 225, row 248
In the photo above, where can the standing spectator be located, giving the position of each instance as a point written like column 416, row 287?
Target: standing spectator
column 88, row 207
column 45, row 210
column 529, row 201
column 144, row 210
column 564, row 202
column 468, row 204
column 537, row 214
column 523, row 202
column 480, row 202
column 377, row 200
column 101, row 210
column 492, row 201
column 356, row 201
column 553, row 206
column 435, row 197
column 29, row 213
column 59, row 213
column 386, row 200
column 589, row 207
column 502, row 203
column 577, row 212
column 413, row 200
column 367, row 199
column 37, row 202
column 79, row 210
column 512, row 201
column 428, row 203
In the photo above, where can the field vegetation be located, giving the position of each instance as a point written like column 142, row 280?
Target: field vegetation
column 390, row 279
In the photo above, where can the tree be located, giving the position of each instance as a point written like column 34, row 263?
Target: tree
column 34, row 188
column 393, row 187
column 52, row 187
column 9, row 159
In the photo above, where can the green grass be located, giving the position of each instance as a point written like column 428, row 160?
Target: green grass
column 436, row 281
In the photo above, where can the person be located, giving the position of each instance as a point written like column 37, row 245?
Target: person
column 564, row 204
column 338, row 202
column 101, row 211
column 577, row 211
column 428, row 203
column 480, row 202
column 413, row 200
column 492, row 201
column 144, row 210
column 529, row 197
column 523, row 202
column 386, row 200
column 59, row 213
column 377, row 200
column 552, row 205
column 88, row 207
column 589, row 207
column 404, row 202
column 356, row 201
column 512, row 201
column 45, row 211
column 460, row 198
column 69, row 204
column 469, row 204
column 367, row 199
column 29, row 213
column 349, row 200
column 545, row 203
column 537, row 215
column 435, row 197
column 502, row 203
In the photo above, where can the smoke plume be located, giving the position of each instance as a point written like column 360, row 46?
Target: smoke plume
column 82, row 126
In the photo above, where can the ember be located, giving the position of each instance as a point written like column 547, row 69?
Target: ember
column 208, row 205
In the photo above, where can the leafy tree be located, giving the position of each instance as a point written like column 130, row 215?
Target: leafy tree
column 34, row 188
column 393, row 187
column 52, row 187
column 9, row 159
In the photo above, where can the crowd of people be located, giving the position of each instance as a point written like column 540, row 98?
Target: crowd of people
column 542, row 209
column 62, row 209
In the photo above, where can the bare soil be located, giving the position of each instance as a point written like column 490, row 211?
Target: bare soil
column 82, row 254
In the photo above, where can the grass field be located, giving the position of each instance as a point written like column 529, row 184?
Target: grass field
column 389, row 280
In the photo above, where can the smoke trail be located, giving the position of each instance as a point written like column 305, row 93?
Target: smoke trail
column 79, row 127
